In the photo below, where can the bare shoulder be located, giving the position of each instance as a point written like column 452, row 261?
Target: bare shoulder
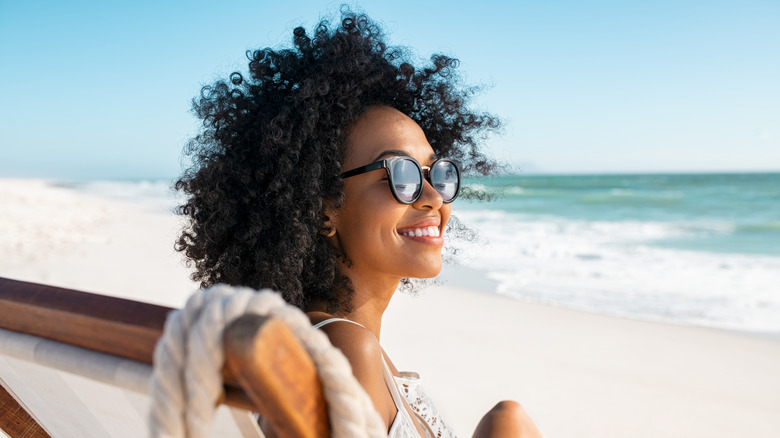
column 364, row 354
column 358, row 344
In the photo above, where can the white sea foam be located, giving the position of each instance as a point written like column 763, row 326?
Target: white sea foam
column 613, row 268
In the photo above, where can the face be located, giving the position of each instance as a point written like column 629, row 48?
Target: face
column 379, row 235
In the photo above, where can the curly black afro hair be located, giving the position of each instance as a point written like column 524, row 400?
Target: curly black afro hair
column 268, row 158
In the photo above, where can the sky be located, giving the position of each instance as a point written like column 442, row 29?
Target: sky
column 103, row 89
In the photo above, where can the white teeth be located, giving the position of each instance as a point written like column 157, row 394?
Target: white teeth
column 423, row 232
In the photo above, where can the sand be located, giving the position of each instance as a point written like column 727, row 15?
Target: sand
column 577, row 374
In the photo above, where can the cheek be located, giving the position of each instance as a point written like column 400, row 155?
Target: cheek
column 368, row 218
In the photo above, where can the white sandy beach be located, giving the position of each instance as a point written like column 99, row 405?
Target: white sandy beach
column 577, row 374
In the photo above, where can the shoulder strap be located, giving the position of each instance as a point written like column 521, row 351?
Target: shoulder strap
column 392, row 386
column 330, row 320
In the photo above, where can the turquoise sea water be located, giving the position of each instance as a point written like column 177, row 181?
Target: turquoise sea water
column 700, row 249
column 730, row 213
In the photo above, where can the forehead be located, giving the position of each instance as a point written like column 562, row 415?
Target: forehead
column 381, row 130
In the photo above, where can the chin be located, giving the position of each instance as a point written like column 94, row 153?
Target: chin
column 430, row 271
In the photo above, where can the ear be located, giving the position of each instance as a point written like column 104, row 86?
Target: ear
column 328, row 221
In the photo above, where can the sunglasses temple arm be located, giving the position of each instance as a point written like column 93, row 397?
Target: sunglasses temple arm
column 364, row 169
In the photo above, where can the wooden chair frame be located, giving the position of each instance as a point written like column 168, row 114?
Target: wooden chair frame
column 267, row 370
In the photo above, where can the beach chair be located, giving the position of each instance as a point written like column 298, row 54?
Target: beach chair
column 76, row 364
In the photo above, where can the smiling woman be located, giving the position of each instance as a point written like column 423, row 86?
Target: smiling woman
column 327, row 174
column 375, row 232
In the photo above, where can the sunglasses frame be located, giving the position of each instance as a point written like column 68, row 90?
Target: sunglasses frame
column 425, row 172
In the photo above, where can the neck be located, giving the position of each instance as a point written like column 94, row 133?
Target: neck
column 370, row 300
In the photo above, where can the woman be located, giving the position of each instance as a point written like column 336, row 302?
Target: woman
column 327, row 175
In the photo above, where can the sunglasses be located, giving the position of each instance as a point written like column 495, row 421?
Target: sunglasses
column 405, row 177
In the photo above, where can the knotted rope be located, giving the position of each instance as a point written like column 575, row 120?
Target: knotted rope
column 186, row 382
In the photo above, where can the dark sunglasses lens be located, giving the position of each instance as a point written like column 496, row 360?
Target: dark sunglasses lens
column 445, row 179
column 407, row 180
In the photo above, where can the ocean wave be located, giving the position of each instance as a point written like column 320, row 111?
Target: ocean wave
column 618, row 268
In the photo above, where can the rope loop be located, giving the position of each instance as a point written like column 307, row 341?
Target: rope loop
column 187, row 382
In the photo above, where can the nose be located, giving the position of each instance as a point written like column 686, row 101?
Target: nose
column 429, row 199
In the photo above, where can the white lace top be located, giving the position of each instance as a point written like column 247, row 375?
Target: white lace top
column 408, row 387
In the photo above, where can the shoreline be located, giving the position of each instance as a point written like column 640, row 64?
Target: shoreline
column 475, row 280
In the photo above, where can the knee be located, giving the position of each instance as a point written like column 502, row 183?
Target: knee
column 507, row 419
column 509, row 408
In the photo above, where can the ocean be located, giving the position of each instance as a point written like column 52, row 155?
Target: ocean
column 698, row 249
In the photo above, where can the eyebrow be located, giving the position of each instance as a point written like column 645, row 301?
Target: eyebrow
column 398, row 153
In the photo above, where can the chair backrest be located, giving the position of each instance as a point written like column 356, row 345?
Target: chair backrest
column 78, row 364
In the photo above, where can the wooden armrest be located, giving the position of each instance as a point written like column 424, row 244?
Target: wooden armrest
column 115, row 326
column 272, row 367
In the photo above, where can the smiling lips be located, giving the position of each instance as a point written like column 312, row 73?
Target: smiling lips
column 431, row 231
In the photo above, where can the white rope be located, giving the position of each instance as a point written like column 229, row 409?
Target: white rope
column 186, row 383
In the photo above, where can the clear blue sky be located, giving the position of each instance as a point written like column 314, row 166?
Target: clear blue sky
column 94, row 89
